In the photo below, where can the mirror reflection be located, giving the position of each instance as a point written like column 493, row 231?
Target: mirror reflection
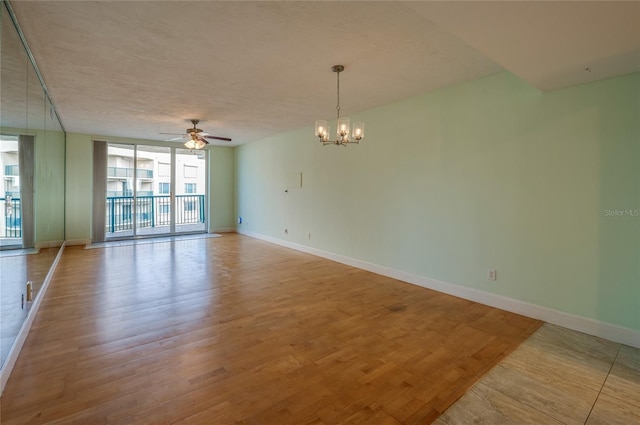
column 32, row 163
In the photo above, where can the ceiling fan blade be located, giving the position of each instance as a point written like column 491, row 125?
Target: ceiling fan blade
column 225, row 139
column 173, row 134
column 174, row 139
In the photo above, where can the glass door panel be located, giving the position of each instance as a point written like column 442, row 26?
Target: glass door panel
column 11, row 223
column 153, row 190
column 120, row 205
column 190, row 200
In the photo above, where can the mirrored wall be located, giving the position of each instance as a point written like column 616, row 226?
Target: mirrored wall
column 32, row 172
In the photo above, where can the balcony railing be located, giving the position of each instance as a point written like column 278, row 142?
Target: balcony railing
column 11, row 224
column 128, row 172
column 152, row 211
column 129, row 193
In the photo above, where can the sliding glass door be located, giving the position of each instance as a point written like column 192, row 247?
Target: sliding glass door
column 154, row 191
column 17, row 227
column 153, row 187
column 11, row 223
column 190, row 189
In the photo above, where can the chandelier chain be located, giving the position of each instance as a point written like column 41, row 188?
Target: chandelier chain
column 338, row 105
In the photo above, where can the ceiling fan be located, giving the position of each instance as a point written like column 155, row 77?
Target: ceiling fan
column 197, row 139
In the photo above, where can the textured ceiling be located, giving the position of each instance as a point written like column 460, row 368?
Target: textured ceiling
column 249, row 70
column 550, row 44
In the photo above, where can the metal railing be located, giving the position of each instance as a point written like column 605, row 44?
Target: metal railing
column 12, row 218
column 152, row 211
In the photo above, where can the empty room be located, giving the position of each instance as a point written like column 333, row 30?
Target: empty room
column 320, row 212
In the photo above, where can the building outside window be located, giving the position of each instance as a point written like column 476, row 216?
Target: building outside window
column 190, row 188
column 190, row 171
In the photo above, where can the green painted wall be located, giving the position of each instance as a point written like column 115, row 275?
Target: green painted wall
column 222, row 199
column 79, row 180
column 49, row 187
column 545, row 188
column 79, row 194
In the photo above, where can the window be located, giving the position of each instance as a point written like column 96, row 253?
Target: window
column 164, row 169
column 190, row 171
column 164, row 208
column 190, row 188
column 126, row 189
column 190, row 206
column 164, row 188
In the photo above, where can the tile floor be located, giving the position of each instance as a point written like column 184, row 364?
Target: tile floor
column 557, row 376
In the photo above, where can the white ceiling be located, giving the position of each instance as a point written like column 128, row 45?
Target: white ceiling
column 249, row 70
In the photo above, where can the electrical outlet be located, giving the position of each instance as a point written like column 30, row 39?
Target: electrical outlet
column 492, row 274
column 286, row 231
column 239, row 220
column 309, row 235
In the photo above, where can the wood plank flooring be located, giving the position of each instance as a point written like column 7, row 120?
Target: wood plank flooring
column 233, row 330
column 556, row 377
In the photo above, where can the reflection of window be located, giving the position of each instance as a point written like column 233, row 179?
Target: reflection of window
column 190, row 206
column 164, row 188
column 189, row 188
column 164, row 169
column 190, row 171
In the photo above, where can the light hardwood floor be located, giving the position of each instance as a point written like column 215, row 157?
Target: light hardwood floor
column 233, row 330
column 556, row 377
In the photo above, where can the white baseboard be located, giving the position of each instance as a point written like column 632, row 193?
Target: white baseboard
column 593, row 327
column 223, row 230
column 50, row 244
column 76, row 242
column 12, row 357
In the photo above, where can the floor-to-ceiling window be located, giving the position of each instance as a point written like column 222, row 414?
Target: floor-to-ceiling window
column 11, row 223
column 154, row 190
column 190, row 188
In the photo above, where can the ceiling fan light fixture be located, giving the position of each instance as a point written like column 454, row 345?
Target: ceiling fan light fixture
column 196, row 138
column 190, row 144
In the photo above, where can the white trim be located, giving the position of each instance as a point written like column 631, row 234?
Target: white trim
column 223, row 230
column 5, row 372
column 76, row 242
column 50, row 244
column 593, row 327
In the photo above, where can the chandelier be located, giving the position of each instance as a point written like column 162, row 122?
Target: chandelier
column 322, row 128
